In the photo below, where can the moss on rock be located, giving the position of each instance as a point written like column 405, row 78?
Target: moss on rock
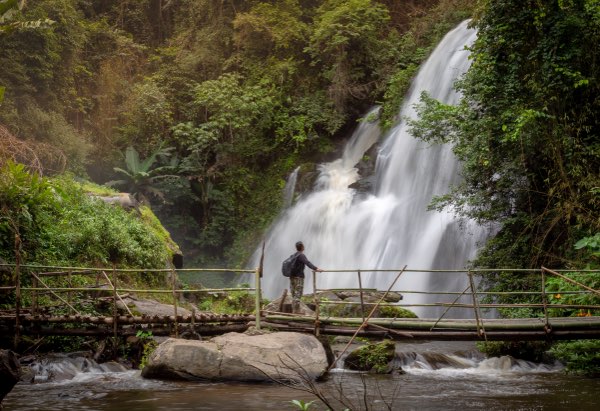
column 374, row 357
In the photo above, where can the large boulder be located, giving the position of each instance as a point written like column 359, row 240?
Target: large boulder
column 239, row 357
column 9, row 372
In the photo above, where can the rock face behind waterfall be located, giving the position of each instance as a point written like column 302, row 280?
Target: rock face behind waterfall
column 239, row 357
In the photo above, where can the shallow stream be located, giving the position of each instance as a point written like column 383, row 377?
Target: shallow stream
column 439, row 376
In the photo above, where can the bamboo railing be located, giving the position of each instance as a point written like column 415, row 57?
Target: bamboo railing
column 481, row 302
column 114, row 289
column 34, row 283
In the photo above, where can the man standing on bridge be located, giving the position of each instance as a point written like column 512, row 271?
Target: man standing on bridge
column 297, row 276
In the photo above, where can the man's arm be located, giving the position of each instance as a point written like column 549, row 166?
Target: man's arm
column 305, row 261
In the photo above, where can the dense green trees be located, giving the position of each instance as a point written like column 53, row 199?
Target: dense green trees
column 244, row 91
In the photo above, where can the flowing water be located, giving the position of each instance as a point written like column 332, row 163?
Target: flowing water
column 439, row 376
column 391, row 227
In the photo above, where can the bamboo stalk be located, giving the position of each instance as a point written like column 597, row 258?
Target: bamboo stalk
column 257, row 299
column 70, row 293
column 470, row 324
column 317, row 311
column 392, row 331
column 362, row 300
column 115, row 312
column 17, row 274
column 114, row 288
column 168, row 319
column 448, row 308
column 571, row 280
column 476, row 306
column 129, row 270
column 129, row 290
column 545, row 301
column 34, row 301
column 174, row 302
column 56, row 295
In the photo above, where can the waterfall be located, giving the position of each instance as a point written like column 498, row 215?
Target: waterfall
column 290, row 188
column 391, row 227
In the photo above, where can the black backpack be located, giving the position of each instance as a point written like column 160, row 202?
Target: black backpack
column 288, row 265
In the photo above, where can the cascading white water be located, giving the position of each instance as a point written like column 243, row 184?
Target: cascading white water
column 392, row 227
column 290, row 188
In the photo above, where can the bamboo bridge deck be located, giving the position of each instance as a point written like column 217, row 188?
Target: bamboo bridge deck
column 557, row 328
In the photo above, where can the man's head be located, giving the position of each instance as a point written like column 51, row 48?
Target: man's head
column 299, row 246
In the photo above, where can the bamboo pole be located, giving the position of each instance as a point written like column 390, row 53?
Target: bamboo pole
column 173, row 283
column 475, row 305
column 257, row 298
column 117, row 293
column 362, row 300
column 457, row 324
column 365, row 321
column 316, row 298
column 70, row 280
column 34, row 300
column 147, row 291
column 571, row 281
column 123, row 319
column 115, row 313
column 54, row 294
column 545, row 302
column 258, row 276
column 449, row 307
column 17, row 274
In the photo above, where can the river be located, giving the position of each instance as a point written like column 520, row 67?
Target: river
column 458, row 379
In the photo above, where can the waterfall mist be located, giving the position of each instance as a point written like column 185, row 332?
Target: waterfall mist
column 391, row 227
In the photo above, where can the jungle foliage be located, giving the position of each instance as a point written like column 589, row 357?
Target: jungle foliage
column 238, row 92
column 53, row 221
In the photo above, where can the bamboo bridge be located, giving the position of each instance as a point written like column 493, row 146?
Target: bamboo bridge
column 47, row 301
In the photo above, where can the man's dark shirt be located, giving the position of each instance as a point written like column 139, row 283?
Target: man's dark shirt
column 301, row 262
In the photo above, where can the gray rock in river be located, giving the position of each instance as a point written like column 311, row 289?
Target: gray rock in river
column 239, row 357
column 9, row 372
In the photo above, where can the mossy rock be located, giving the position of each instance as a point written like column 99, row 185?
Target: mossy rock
column 375, row 358
column 388, row 311
column 355, row 311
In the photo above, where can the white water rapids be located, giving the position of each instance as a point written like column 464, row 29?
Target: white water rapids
column 392, row 227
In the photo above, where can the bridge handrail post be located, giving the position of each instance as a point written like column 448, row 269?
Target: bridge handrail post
column 362, row 302
column 115, row 312
column 17, row 275
column 257, row 299
column 480, row 329
column 34, row 300
column 174, row 287
column 317, row 302
column 545, row 302
column 70, row 281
